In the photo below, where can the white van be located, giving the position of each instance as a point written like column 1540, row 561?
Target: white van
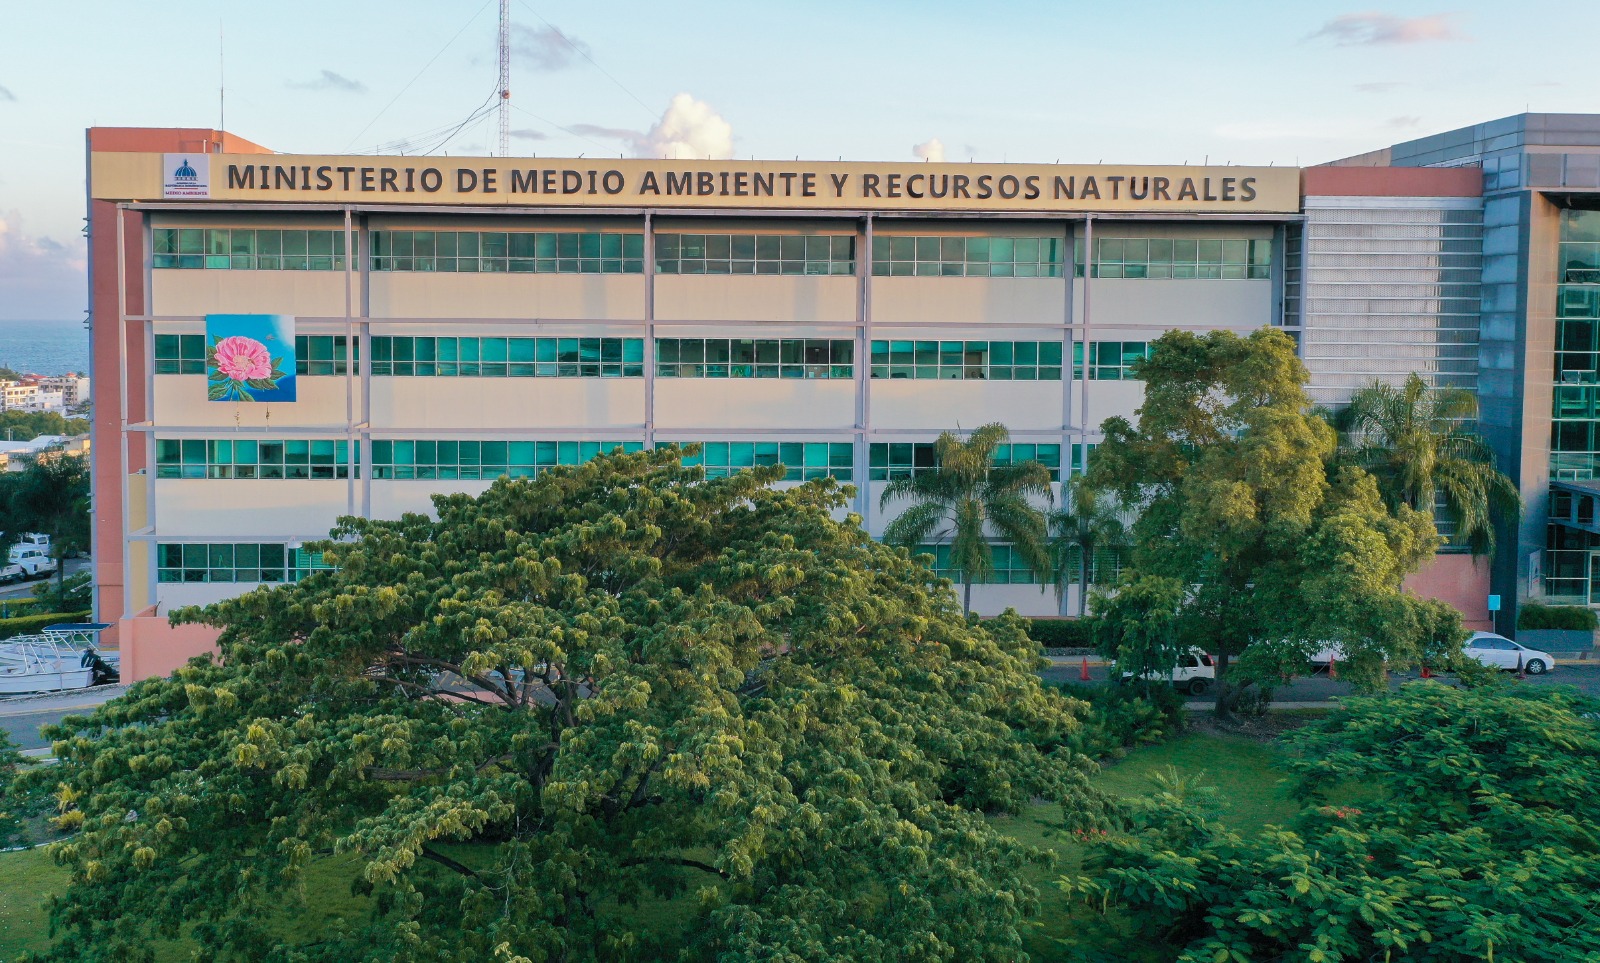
column 27, row 541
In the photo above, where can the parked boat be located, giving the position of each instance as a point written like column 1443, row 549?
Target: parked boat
column 62, row 656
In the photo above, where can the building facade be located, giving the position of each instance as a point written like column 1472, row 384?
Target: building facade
column 457, row 320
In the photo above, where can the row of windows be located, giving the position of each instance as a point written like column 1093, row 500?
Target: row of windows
column 247, row 249
column 1580, row 262
column 234, row 562
column 755, row 254
column 595, row 252
column 474, row 357
column 804, row 460
column 315, row 354
column 501, row 252
column 1010, row 569
column 754, row 358
column 402, row 460
column 971, row 257
column 508, row 357
column 980, row 360
column 1182, row 258
column 253, row 458
column 904, row 459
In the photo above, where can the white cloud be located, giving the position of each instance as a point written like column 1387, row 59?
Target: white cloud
column 546, row 48
column 689, row 128
column 42, row 278
column 328, row 80
column 931, row 150
column 1377, row 29
column 528, row 133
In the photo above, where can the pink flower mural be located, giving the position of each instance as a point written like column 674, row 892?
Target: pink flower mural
column 250, row 357
column 243, row 359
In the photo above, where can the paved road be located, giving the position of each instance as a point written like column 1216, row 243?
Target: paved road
column 21, row 717
column 1584, row 676
column 22, row 590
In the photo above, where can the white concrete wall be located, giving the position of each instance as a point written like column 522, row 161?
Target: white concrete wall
column 1163, row 303
column 181, row 402
column 754, row 403
column 421, row 294
column 236, row 509
column 391, row 499
column 176, row 595
column 685, row 297
column 968, row 300
column 598, row 405
column 945, row 404
column 193, row 293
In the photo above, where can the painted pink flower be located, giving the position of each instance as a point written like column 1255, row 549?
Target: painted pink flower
column 243, row 358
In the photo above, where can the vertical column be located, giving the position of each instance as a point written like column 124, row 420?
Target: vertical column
column 122, row 402
column 148, row 438
column 351, row 436
column 1069, row 267
column 357, row 241
column 649, row 330
column 863, row 433
column 1088, row 342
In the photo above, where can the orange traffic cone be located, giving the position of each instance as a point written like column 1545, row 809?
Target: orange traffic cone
column 1333, row 667
column 1083, row 670
column 1521, row 674
column 1425, row 673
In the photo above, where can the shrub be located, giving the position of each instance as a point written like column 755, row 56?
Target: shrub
column 1577, row 618
column 31, row 624
column 10, row 608
column 1060, row 633
column 1122, row 717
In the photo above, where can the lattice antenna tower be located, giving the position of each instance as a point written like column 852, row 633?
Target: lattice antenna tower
column 505, row 78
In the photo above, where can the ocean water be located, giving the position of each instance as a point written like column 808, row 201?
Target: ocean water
column 44, row 347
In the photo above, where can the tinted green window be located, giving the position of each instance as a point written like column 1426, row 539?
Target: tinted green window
column 903, row 459
column 1009, row 568
column 1113, row 360
column 234, row 562
column 247, row 249
column 253, row 458
column 1226, row 259
column 755, row 254
column 754, row 358
column 480, row 460
column 957, row 257
column 508, row 357
column 968, row 360
column 803, row 460
column 514, row 252
column 314, row 354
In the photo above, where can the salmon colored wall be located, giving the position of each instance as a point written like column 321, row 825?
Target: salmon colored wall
column 1391, row 182
column 1462, row 581
column 154, row 647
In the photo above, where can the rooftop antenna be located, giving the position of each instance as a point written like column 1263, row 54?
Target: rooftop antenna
column 505, row 77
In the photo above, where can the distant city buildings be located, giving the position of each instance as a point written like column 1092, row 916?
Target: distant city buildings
column 32, row 392
column 18, row 455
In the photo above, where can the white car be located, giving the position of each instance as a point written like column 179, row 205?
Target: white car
column 1499, row 652
column 1194, row 673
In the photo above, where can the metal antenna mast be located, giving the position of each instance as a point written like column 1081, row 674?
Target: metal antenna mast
column 505, row 78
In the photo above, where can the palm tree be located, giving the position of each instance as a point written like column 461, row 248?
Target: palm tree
column 1418, row 442
column 966, row 495
column 1086, row 522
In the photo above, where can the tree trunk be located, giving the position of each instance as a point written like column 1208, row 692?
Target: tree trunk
column 1083, row 582
column 966, row 596
column 1223, row 708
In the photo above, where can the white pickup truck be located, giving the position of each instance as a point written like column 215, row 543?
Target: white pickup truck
column 34, row 561
column 1194, row 673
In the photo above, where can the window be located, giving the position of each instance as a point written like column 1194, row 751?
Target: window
column 903, row 459
column 314, row 354
column 1113, row 360
column 803, row 460
column 1009, row 568
column 1228, row 259
column 255, row 458
column 508, row 357
column 1080, row 456
column 747, row 358
column 405, row 460
column 756, row 254
column 234, row 562
column 980, row 360
column 1104, row 568
column 967, row 257
column 516, row 252
column 247, row 249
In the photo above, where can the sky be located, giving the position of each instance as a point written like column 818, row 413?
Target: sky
column 1155, row 81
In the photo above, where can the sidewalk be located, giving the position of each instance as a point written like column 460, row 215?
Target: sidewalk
column 23, row 705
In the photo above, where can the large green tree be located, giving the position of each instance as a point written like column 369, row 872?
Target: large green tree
column 965, row 499
column 1475, row 835
column 1241, row 500
column 616, row 712
column 51, row 496
column 1420, row 444
column 1086, row 524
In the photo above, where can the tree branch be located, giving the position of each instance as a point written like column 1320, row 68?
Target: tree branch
column 677, row 861
column 449, row 863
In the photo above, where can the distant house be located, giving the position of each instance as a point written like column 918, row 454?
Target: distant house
column 18, row 455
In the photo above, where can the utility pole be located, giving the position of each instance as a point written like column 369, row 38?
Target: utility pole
column 505, row 78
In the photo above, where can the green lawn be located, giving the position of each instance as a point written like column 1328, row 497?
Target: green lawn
column 1240, row 768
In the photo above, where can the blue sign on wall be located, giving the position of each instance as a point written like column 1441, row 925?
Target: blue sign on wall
column 250, row 357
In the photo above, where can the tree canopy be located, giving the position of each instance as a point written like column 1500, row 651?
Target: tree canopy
column 617, row 712
column 1478, row 838
column 1241, row 500
column 51, row 496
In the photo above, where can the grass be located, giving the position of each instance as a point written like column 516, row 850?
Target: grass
column 1241, row 768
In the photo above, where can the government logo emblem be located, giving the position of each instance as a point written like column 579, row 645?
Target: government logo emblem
column 185, row 175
